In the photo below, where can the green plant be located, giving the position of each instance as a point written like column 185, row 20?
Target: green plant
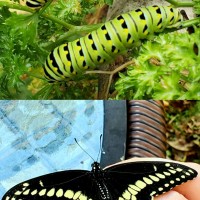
column 26, row 35
column 167, row 68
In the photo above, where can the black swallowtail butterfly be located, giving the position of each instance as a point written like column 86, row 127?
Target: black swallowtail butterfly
column 126, row 181
column 112, row 38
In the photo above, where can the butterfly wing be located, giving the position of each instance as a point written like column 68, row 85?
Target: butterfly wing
column 71, row 184
column 143, row 180
column 129, row 181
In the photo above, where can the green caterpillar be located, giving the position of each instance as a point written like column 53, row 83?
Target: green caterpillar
column 35, row 4
column 112, row 38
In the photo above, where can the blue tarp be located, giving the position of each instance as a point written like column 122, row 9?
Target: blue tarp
column 37, row 137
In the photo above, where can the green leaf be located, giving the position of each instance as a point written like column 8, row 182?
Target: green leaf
column 23, row 25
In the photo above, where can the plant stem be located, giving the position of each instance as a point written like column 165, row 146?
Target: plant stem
column 180, row 3
column 190, row 22
column 46, row 5
column 81, row 30
column 58, row 21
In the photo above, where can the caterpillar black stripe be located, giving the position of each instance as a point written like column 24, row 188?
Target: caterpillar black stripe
column 111, row 39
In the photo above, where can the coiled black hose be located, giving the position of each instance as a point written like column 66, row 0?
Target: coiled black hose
column 146, row 129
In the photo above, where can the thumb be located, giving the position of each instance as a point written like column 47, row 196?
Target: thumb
column 171, row 195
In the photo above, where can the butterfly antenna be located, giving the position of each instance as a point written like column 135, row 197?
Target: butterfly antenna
column 100, row 149
column 84, row 150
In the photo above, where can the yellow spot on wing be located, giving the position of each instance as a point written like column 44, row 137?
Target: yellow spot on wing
column 34, row 192
column 182, row 176
column 187, row 173
column 126, row 195
column 59, row 193
column 132, row 191
column 179, row 169
column 69, row 194
column 147, row 180
column 172, row 171
column 83, row 197
column 76, row 195
column 154, row 178
column 134, row 187
column 191, row 171
column 26, row 192
column 166, row 173
column 166, row 185
column 167, row 164
column 140, row 184
column 25, row 184
column 160, row 175
column 42, row 192
column 153, row 193
column 18, row 192
column 51, row 192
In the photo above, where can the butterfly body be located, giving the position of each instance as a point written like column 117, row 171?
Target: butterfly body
column 128, row 181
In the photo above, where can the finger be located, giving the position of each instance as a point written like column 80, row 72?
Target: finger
column 191, row 189
column 171, row 195
column 146, row 159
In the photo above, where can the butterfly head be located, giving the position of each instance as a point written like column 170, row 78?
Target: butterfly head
column 95, row 166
